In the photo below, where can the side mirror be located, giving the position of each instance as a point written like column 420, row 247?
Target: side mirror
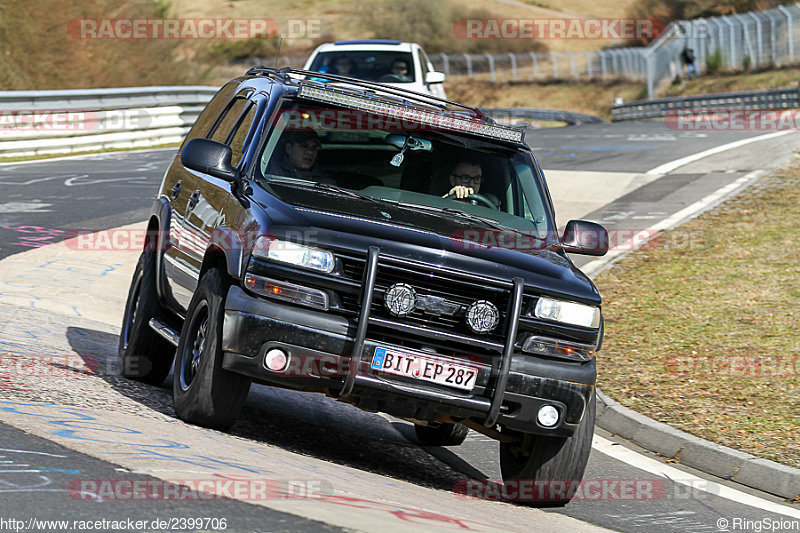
column 584, row 237
column 434, row 77
column 210, row 157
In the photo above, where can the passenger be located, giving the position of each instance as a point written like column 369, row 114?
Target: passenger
column 299, row 157
column 343, row 66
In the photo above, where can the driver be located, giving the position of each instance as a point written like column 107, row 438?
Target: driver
column 466, row 179
column 399, row 71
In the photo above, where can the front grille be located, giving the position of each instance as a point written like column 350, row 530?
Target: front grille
column 427, row 280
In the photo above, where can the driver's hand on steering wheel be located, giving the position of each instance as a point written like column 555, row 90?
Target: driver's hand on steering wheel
column 460, row 191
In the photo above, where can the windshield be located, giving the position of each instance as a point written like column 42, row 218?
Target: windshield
column 390, row 67
column 379, row 168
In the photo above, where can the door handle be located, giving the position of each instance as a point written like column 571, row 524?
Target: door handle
column 194, row 198
column 176, row 190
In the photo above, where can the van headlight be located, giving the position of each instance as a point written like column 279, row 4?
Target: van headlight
column 294, row 254
column 568, row 312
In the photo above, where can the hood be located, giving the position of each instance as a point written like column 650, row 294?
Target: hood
column 438, row 240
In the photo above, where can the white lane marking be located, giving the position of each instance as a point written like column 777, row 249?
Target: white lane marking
column 24, row 207
column 641, row 238
column 672, row 165
column 621, row 453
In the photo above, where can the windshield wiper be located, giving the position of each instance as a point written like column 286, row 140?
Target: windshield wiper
column 327, row 187
column 454, row 213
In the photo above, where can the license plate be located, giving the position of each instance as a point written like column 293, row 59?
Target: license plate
column 424, row 368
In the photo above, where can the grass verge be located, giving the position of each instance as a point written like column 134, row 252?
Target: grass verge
column 594, row 98
column 597, row 96
column 702, row 331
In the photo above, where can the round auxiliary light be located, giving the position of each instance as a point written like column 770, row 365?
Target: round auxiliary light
column 482, row 316
column 400, row 299
column 548, row 416
column 276, row 360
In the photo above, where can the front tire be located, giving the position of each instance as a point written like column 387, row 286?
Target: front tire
column 204, row 393
column 143, row 354
column 556, row 462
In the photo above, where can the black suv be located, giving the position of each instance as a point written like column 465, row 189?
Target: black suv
column 386, row 248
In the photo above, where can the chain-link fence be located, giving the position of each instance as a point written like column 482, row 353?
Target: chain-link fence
column 749, row 40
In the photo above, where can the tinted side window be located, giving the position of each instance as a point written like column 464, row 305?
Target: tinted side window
column 240, row 135
column 226, row 124
column 211, row 112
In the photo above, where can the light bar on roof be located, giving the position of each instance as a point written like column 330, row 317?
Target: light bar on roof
column 429, row 118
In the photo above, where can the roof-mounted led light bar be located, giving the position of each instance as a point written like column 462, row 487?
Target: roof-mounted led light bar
column 420, row 116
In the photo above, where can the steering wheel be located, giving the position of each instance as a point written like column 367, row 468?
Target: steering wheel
column 475, row 199
column 391, row 77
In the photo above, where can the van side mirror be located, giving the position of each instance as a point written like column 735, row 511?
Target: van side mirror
column 584, row 237
column 209, row 157
column 434, row 77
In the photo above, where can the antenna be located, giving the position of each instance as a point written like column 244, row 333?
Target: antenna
column 279, row 51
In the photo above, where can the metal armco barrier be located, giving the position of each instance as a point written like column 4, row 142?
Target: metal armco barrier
column 766, row 99
column 58, row 122
column 508, row 115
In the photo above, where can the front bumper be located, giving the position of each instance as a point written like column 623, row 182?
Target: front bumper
column 320, row 346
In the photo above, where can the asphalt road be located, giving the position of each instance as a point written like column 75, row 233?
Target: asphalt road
column 44, row 201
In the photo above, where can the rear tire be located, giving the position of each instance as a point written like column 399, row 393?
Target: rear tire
column 441, row 434
column 143, row 354
column 551, row 460
column 204, row 393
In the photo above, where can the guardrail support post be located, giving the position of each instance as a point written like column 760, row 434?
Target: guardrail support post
column 490, row 59
column 554, row 60
column 773, row 40
column 445, row 64
column 535, row 65
column 789, row 31
column 513, row 59
column 572, row 64
column 603, row 65
column 731, row 35
column 650, row 76
column 468, row 60
column 759, row 38
column 588, row 64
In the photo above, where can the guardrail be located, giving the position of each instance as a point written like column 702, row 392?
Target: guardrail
column 511, row 115
column 765, row 99
column 59, row 122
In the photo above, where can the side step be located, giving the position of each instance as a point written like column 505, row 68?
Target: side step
column 164, row 329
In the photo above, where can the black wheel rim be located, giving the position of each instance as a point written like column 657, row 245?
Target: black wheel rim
column 130, row 316
column 195, row 345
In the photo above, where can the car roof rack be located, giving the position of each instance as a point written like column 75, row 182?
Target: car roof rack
column 412, row 97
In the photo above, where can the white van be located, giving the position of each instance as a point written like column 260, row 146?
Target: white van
column 394, row 63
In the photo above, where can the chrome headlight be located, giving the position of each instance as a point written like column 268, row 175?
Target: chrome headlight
column 568, row 312
column 294, row 254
